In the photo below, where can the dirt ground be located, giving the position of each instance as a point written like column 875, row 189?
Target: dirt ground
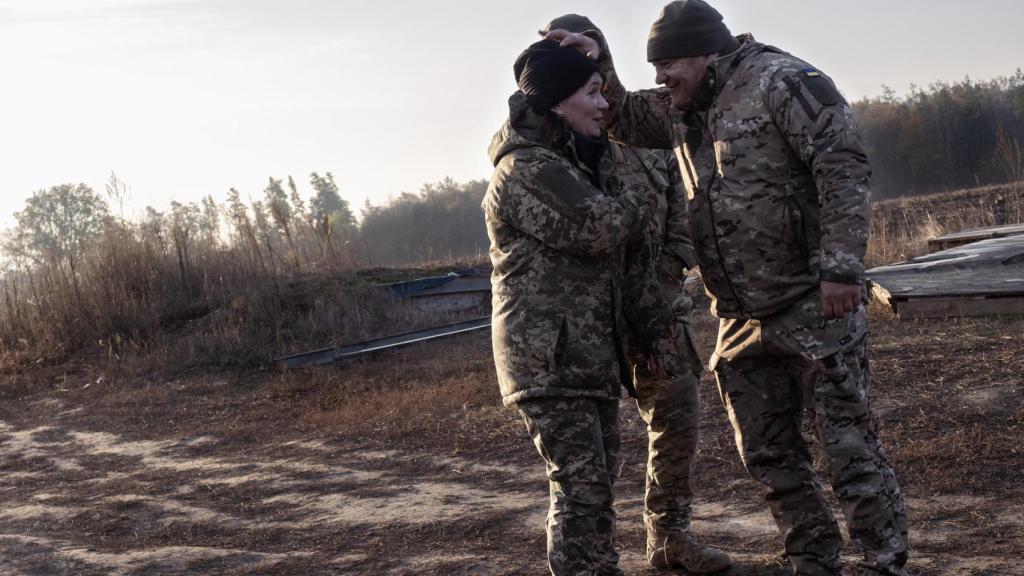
column 406, row 464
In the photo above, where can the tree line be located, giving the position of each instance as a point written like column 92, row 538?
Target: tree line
column 944, row 137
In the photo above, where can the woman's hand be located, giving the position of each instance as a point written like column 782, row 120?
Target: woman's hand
column 585, row 44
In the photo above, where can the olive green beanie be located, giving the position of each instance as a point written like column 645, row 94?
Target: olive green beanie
column 570, row 22
column 687, row 28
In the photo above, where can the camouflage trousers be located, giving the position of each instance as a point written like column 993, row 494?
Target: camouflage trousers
column 770, row 371
column 671, row 408
column 578, row 438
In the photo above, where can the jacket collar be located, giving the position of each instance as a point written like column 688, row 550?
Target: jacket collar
column 725, row 65
column 526, row 128
column 720, row 70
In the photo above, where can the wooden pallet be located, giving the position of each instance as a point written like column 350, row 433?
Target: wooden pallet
column 953, row 306
column 976, row 279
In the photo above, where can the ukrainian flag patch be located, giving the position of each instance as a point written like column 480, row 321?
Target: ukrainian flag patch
column 820, row 87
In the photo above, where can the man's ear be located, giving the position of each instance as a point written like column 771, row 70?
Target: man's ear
column 557, row 109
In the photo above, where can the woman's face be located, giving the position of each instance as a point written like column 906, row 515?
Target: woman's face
column 584, row 110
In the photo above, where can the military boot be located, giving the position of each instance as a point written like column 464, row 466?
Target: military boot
column 680, row 550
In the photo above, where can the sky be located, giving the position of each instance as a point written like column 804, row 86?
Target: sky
column 187, row 98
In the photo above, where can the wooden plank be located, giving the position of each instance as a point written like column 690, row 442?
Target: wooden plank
column 955, row 239
column 952, row 307
column 993, row 267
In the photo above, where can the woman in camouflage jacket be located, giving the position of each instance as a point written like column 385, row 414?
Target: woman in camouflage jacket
column 559, row 225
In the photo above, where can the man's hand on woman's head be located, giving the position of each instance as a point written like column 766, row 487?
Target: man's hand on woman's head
column 585, row 44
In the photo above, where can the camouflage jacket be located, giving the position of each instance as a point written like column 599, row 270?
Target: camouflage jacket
column 658, row 171
column 775, row 174
column 557, row 246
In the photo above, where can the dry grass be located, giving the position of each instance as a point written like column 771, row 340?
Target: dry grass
column 946, row 391
column 445, row 400
column 143, row 289
column 264, row 318
column 900, row 228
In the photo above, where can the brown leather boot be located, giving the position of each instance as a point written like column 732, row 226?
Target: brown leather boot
column 680, row 550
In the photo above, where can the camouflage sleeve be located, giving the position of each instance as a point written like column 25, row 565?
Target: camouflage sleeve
column 643, row 118
column 818, row 123
column 679, row 254
column 547, row 201
column 647, row 312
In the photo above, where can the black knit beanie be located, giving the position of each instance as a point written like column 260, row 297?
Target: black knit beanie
column 570, row 22
column 548, row 73
column 687, row 28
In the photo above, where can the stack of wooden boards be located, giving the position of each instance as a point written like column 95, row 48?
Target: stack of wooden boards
column 968, row 276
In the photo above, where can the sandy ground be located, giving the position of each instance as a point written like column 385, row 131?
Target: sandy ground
column 128, row 478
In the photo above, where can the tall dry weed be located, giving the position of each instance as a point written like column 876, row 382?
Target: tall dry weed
column 212, row 284
column 901, row 228
column 173, row 301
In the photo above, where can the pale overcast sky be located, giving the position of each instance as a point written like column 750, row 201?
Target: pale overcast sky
column 184, row 98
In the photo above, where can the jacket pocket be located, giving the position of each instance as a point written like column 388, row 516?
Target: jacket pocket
column 526, row 344
column 543, row 348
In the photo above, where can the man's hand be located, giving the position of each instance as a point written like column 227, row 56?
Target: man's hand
column 655, row 368
column 837, row 299
column 585, row 44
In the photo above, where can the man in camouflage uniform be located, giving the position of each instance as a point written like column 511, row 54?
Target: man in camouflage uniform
column 559, row 227
column 668, row 397
column 777, row 181
column 669, row 402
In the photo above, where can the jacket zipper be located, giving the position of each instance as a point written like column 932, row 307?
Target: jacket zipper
column 714, row 220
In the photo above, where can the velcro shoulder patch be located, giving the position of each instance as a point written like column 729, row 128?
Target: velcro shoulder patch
column 820, row 87
column 813, row 90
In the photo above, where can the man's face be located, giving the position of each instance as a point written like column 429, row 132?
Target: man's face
column 682, row 77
